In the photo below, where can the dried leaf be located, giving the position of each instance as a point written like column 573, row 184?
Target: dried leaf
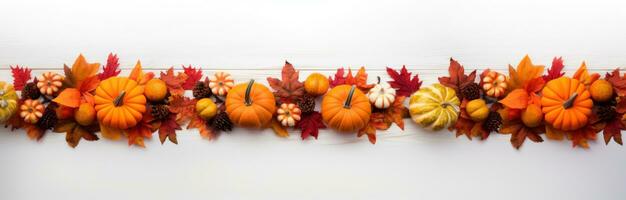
column 278, row 128
column 168, row 129
column 618, row 82
column 174, row 82
column 402, row 82
column 457, row 76
column 193, row 75
column 525, row 72
column 111, row 69
column 582, row 74
column 21, row 75
column 288, row 87
column 516, row 99
column 556, row 70
column 310, row 124
column 183, row 106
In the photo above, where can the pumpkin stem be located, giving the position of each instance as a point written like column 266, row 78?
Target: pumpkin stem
column 248, row 101
column 349, row 99
column 378, row 77
column 119, row 99
column 570, row 101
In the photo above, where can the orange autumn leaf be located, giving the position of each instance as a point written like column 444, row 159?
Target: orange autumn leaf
column 517, row 99
column 138, row 75
column 205, row 131
column 555, row 134
column 70, row 97
column 278, row 128
column 82, row 70
column 582, row 74
column 525, row 72
column 110, row 132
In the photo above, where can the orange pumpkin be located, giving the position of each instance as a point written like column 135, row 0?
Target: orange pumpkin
column 346, row 108
column 316, row 84
column 119, row 102
column 250, row 105
column 566, row 104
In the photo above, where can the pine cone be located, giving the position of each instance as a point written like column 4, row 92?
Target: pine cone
column 201, row 90
column 159, row 111
column 221, row 122
column 605, row 112
column 48, row 119
column 470, row 91
column 30, row 91
column 493, row 122
column 307, row 104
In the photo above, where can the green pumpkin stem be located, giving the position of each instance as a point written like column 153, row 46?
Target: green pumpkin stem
column 119, row 99
column 570, row 101
column 248, row 101
column 349, row 99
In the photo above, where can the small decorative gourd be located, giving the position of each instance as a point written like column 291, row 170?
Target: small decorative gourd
column 434, row 107
column 31, row 110
column 119, row 102
column 49, row 83
column 206, row 108
column 220, row 83
column 8, row 101
column 601, row 90
column 477, row 110
column 288, row 114
column 346, row 108
column 85, row 114
column 494, row 84
column 381, row 95
column 316, row 84
column 155, row 90
column 566, row 104
column 250, row 105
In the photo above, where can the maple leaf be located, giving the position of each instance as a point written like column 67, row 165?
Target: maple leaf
column 206, row 131
column 618, row 82
column 582, row 74
column 138, row 75
column 457, row 76
column 526, row 71
column 81, row 70
column 402, row 82
column 376, row 122
column 193, row 75
column 184, row 107
column 310, row 125
column 111, row 69
column 519, row 133
column 168, row 128
column 174, row 82
column 581, row 137
column 359, row 80
column 74, row 132
column 395, row 112
column 613, row 130
column 288, row 87
column 556, row 70
column 21, row 75
column 142, row 130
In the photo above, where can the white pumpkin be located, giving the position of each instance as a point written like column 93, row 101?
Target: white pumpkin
column 382, row 95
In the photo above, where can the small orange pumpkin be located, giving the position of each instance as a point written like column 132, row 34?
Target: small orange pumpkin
column 566, row 104
column 346, row 108
column 316, row 84
column 250, row 105
column 119, row 102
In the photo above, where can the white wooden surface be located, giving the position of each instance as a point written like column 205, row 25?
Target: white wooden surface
column 251, row 39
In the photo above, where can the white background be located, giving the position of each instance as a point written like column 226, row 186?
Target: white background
column 253, row 39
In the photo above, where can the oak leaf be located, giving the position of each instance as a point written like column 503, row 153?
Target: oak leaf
column 21, row 75
column 288, row 88
column 173, row 81
column 193, row 76
column 310, row 124
column 111, row 69
column 404, row 84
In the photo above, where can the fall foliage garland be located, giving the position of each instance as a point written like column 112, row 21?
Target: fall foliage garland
column 526, row 103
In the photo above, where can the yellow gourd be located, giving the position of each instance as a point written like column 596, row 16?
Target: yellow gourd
column 434, row 107
column 8, row 101
column 477, row 110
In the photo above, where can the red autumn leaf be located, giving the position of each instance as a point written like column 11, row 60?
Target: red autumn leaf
column 395, row 113
column 174, row 82
column 556, row 70
column 613, row 130
column 142, row 130
column 370, row 131
column 21, row 75
column 519, row 133
column 111, row 69
column 404, row 84
column 359, row 80
column 193, row 75
column 184, row 107
column 581, row 137
column 310, row 125
column 339, row 78
column 201, row 124
column 618, row 82
column 457, row 76
column 288, row 87
column 168, row 129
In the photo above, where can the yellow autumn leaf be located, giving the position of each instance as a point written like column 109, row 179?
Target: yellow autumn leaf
column 525, row 72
